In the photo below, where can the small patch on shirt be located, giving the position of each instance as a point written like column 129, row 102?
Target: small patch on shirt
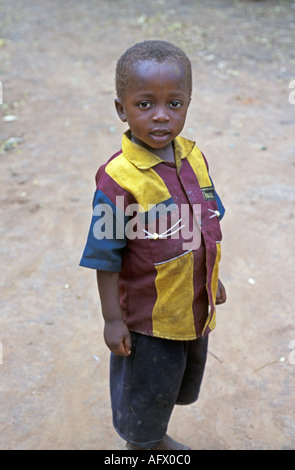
column 208, row 193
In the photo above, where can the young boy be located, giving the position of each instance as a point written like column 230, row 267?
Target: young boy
column 155, row 240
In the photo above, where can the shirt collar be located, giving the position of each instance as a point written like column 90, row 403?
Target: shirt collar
column 143, row 159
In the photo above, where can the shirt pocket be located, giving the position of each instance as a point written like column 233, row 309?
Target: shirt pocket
column 169, row 234
column 173, row 315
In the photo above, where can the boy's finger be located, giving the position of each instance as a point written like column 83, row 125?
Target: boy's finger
column 123, row 349
column 127, row 344
column 119, row 350
column 221, row 295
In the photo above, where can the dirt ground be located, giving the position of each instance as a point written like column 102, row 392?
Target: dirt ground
column 57, row 125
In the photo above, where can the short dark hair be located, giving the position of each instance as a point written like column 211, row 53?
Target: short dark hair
column 154, row 50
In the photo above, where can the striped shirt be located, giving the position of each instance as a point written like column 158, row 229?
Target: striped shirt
column 157, row 223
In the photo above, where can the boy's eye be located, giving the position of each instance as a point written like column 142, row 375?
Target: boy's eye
column 148, row 104
column 144, row 105
column 175, row 104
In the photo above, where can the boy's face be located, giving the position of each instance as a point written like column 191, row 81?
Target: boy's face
column 155, row 102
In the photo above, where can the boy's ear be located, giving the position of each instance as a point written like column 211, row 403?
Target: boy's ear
column 120, row 110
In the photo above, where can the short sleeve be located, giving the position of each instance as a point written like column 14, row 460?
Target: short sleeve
column 106, row 238
column 220, row 206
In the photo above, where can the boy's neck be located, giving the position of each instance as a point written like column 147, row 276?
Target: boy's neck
column 165, row 153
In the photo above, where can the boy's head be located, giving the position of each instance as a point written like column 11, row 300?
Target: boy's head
column 154, row 84
column 154, row 50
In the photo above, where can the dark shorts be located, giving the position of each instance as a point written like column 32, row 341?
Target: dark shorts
column 146, row 385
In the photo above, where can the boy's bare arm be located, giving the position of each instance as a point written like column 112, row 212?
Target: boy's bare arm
column 116, row 333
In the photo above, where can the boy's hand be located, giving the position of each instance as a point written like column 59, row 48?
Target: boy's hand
column 221, row 293
column 117, row 337
column 116, row 333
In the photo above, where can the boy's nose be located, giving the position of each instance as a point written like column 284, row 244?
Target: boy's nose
column 161, row 114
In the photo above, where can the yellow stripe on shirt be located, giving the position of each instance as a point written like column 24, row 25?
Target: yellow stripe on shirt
column 172, row 315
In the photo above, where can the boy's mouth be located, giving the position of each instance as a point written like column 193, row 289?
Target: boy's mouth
column 159, row 135
column 159, row 132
